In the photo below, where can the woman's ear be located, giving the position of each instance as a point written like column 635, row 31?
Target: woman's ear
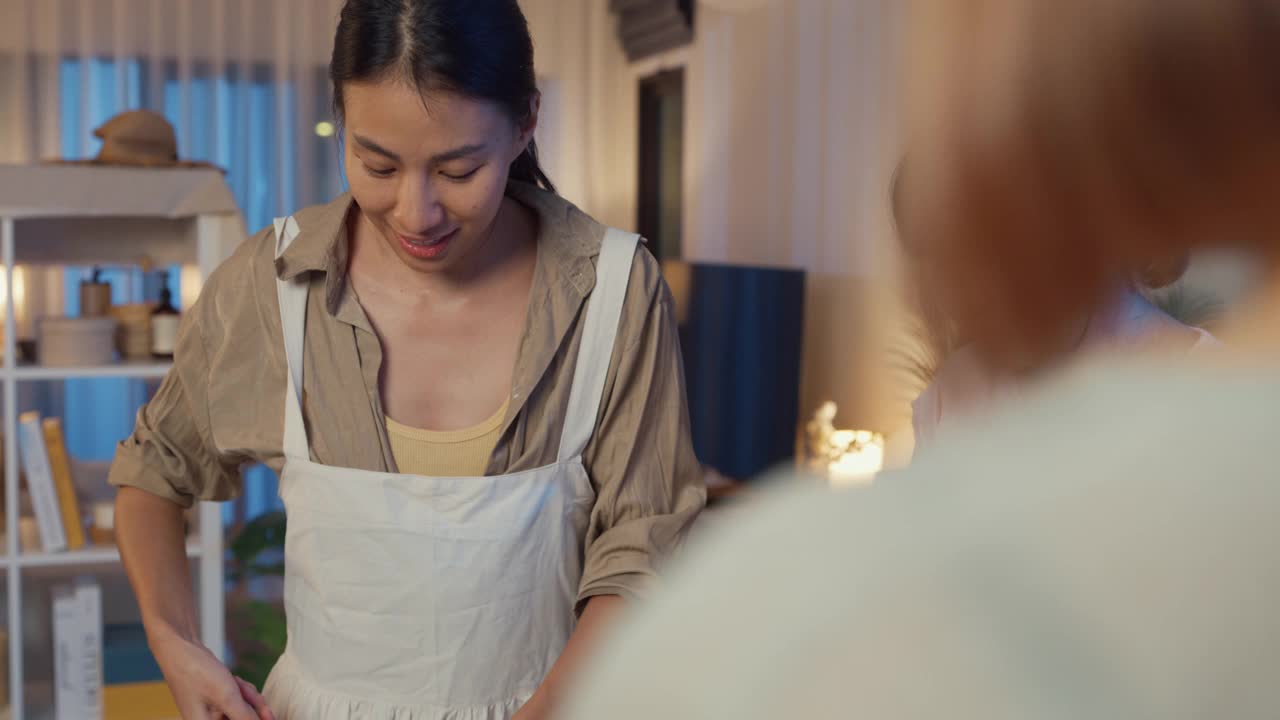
column 528, row 125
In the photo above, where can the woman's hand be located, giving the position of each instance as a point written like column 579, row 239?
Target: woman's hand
column 535, row 709
column 598, row 614
column 202, row 686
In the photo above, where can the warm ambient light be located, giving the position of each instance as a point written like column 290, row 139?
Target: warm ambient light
column 19, row 297
column 324, row 129
column 843, row 457
column 861, row 459
column 189, row 284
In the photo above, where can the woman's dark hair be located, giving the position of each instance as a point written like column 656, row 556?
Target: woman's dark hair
column 477, row 48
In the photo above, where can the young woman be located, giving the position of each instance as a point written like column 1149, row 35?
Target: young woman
column 472, row 392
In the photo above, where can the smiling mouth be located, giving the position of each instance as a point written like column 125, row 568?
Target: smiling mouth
column 428, row 242
column 427, row 248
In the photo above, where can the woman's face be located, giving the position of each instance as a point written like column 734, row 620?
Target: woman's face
column 428, row 175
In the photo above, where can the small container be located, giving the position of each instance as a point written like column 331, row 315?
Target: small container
column 29, row 535
column 76, row 341
column 133, row 334
column 103, row 528
column 95, row 297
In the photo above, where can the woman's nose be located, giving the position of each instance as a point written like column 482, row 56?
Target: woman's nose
column 418, row 209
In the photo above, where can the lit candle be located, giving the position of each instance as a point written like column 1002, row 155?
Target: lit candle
column 859, row 464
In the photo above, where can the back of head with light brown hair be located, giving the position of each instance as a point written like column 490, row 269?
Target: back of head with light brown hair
column 1071, row 141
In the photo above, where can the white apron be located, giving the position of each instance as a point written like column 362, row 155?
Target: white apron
column 430, row 598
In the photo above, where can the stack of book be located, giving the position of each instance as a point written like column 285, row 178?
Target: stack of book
column 77, row 650
column 47, row 467
column 135, row 688
column 102, row 671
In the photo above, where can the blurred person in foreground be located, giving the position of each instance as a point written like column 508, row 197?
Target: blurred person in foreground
column 962, row 389
column 1105, row 549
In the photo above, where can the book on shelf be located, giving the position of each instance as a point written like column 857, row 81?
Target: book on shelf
column 40, row 482
column 4, row 516
column 89, row 594
column 127, row 659
column 60, row 465
column 4, row 668
column 134, row 685
column 139, row 701
column 77, row 650
column 68, row 681
column 113, row 658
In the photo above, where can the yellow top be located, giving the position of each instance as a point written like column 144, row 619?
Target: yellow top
column 456, row 453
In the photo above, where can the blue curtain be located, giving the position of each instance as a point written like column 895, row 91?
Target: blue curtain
column 261, row 168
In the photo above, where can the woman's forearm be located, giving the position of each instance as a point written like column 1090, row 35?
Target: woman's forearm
column 596, row 617
column 152, row 541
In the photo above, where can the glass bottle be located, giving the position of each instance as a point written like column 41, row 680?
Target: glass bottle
column 164, row 323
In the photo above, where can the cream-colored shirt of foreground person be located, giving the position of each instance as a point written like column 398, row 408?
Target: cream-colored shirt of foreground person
column 1104, row 549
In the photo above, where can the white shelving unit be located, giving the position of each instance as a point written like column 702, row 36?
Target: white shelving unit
column 86, row 215
column 141, row 371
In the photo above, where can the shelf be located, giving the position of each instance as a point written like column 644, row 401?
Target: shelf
column 83, row 558
column 81, row 215
column 146, row 370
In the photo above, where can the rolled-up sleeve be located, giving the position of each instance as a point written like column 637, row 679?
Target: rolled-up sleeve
column 170, row 452
column 648, row 481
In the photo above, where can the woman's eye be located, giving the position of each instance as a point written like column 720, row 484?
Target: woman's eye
column 459, row 177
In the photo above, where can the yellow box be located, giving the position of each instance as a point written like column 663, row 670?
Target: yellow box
column 139, row 701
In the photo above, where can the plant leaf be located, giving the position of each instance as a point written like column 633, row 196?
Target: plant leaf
column 263, row 533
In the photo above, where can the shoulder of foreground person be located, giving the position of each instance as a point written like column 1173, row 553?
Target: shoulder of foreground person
column 1105, row 550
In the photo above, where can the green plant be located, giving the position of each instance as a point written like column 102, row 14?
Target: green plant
column 256, row 625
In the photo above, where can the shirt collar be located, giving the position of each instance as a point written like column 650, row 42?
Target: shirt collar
column 321, row 246
column 567, row 237
column 564, row 274
column 568, row 242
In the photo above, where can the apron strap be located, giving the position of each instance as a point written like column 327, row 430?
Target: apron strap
column 293, row 323
column 600, row 329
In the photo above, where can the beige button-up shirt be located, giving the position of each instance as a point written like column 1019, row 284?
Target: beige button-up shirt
column 222, row 405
